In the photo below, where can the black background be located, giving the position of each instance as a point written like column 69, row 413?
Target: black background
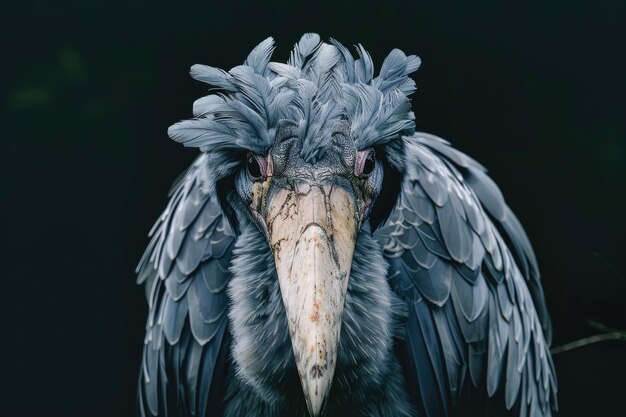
column 534, row 91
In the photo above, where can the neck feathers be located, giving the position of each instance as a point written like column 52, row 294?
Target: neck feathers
column 262, row 353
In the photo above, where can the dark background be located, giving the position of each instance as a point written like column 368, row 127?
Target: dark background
column 534, row 91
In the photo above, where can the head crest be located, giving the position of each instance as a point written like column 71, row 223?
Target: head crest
column 320, row 84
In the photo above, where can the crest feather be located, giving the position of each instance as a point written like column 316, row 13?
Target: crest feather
column 303, row 49
column 260, row 56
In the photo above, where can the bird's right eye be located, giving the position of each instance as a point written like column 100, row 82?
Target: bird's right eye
column 253, row 165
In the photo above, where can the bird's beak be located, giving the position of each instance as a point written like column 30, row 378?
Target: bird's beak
column 312, row 230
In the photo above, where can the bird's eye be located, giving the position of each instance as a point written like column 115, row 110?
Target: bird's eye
column 254, row 167
column 369, row 164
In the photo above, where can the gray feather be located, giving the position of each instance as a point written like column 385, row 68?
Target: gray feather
column 303, row 49
column 212, row 76
column 260, row 56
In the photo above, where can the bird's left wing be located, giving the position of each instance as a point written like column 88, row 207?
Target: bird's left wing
column 185, row 272
column 460, row 258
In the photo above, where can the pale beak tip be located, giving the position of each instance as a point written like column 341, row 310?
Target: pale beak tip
column 315, row 396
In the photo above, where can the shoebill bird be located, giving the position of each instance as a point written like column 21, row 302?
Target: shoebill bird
column 322, row 258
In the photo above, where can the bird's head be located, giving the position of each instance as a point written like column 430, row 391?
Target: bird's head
column 308, row 147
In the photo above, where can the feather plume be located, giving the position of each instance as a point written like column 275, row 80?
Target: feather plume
column 303, row 49
column 260, row 56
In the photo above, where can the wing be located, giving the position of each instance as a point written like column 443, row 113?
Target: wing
column 185, row 271
column 478, row 323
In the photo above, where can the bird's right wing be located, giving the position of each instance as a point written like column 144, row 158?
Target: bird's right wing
column 185, row 272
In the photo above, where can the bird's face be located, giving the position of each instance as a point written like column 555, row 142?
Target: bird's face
column 311, row 212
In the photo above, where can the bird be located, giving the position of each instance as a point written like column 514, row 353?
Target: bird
column 322, row 257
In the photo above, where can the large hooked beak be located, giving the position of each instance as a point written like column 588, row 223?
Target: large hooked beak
column 312, row 231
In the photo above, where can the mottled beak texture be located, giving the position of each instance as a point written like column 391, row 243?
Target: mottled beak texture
column 312, row 229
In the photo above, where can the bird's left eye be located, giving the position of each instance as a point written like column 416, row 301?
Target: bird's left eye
column 366, row 163
column 369, row 164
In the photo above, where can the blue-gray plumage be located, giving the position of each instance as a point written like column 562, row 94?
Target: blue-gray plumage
column 320, row 257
